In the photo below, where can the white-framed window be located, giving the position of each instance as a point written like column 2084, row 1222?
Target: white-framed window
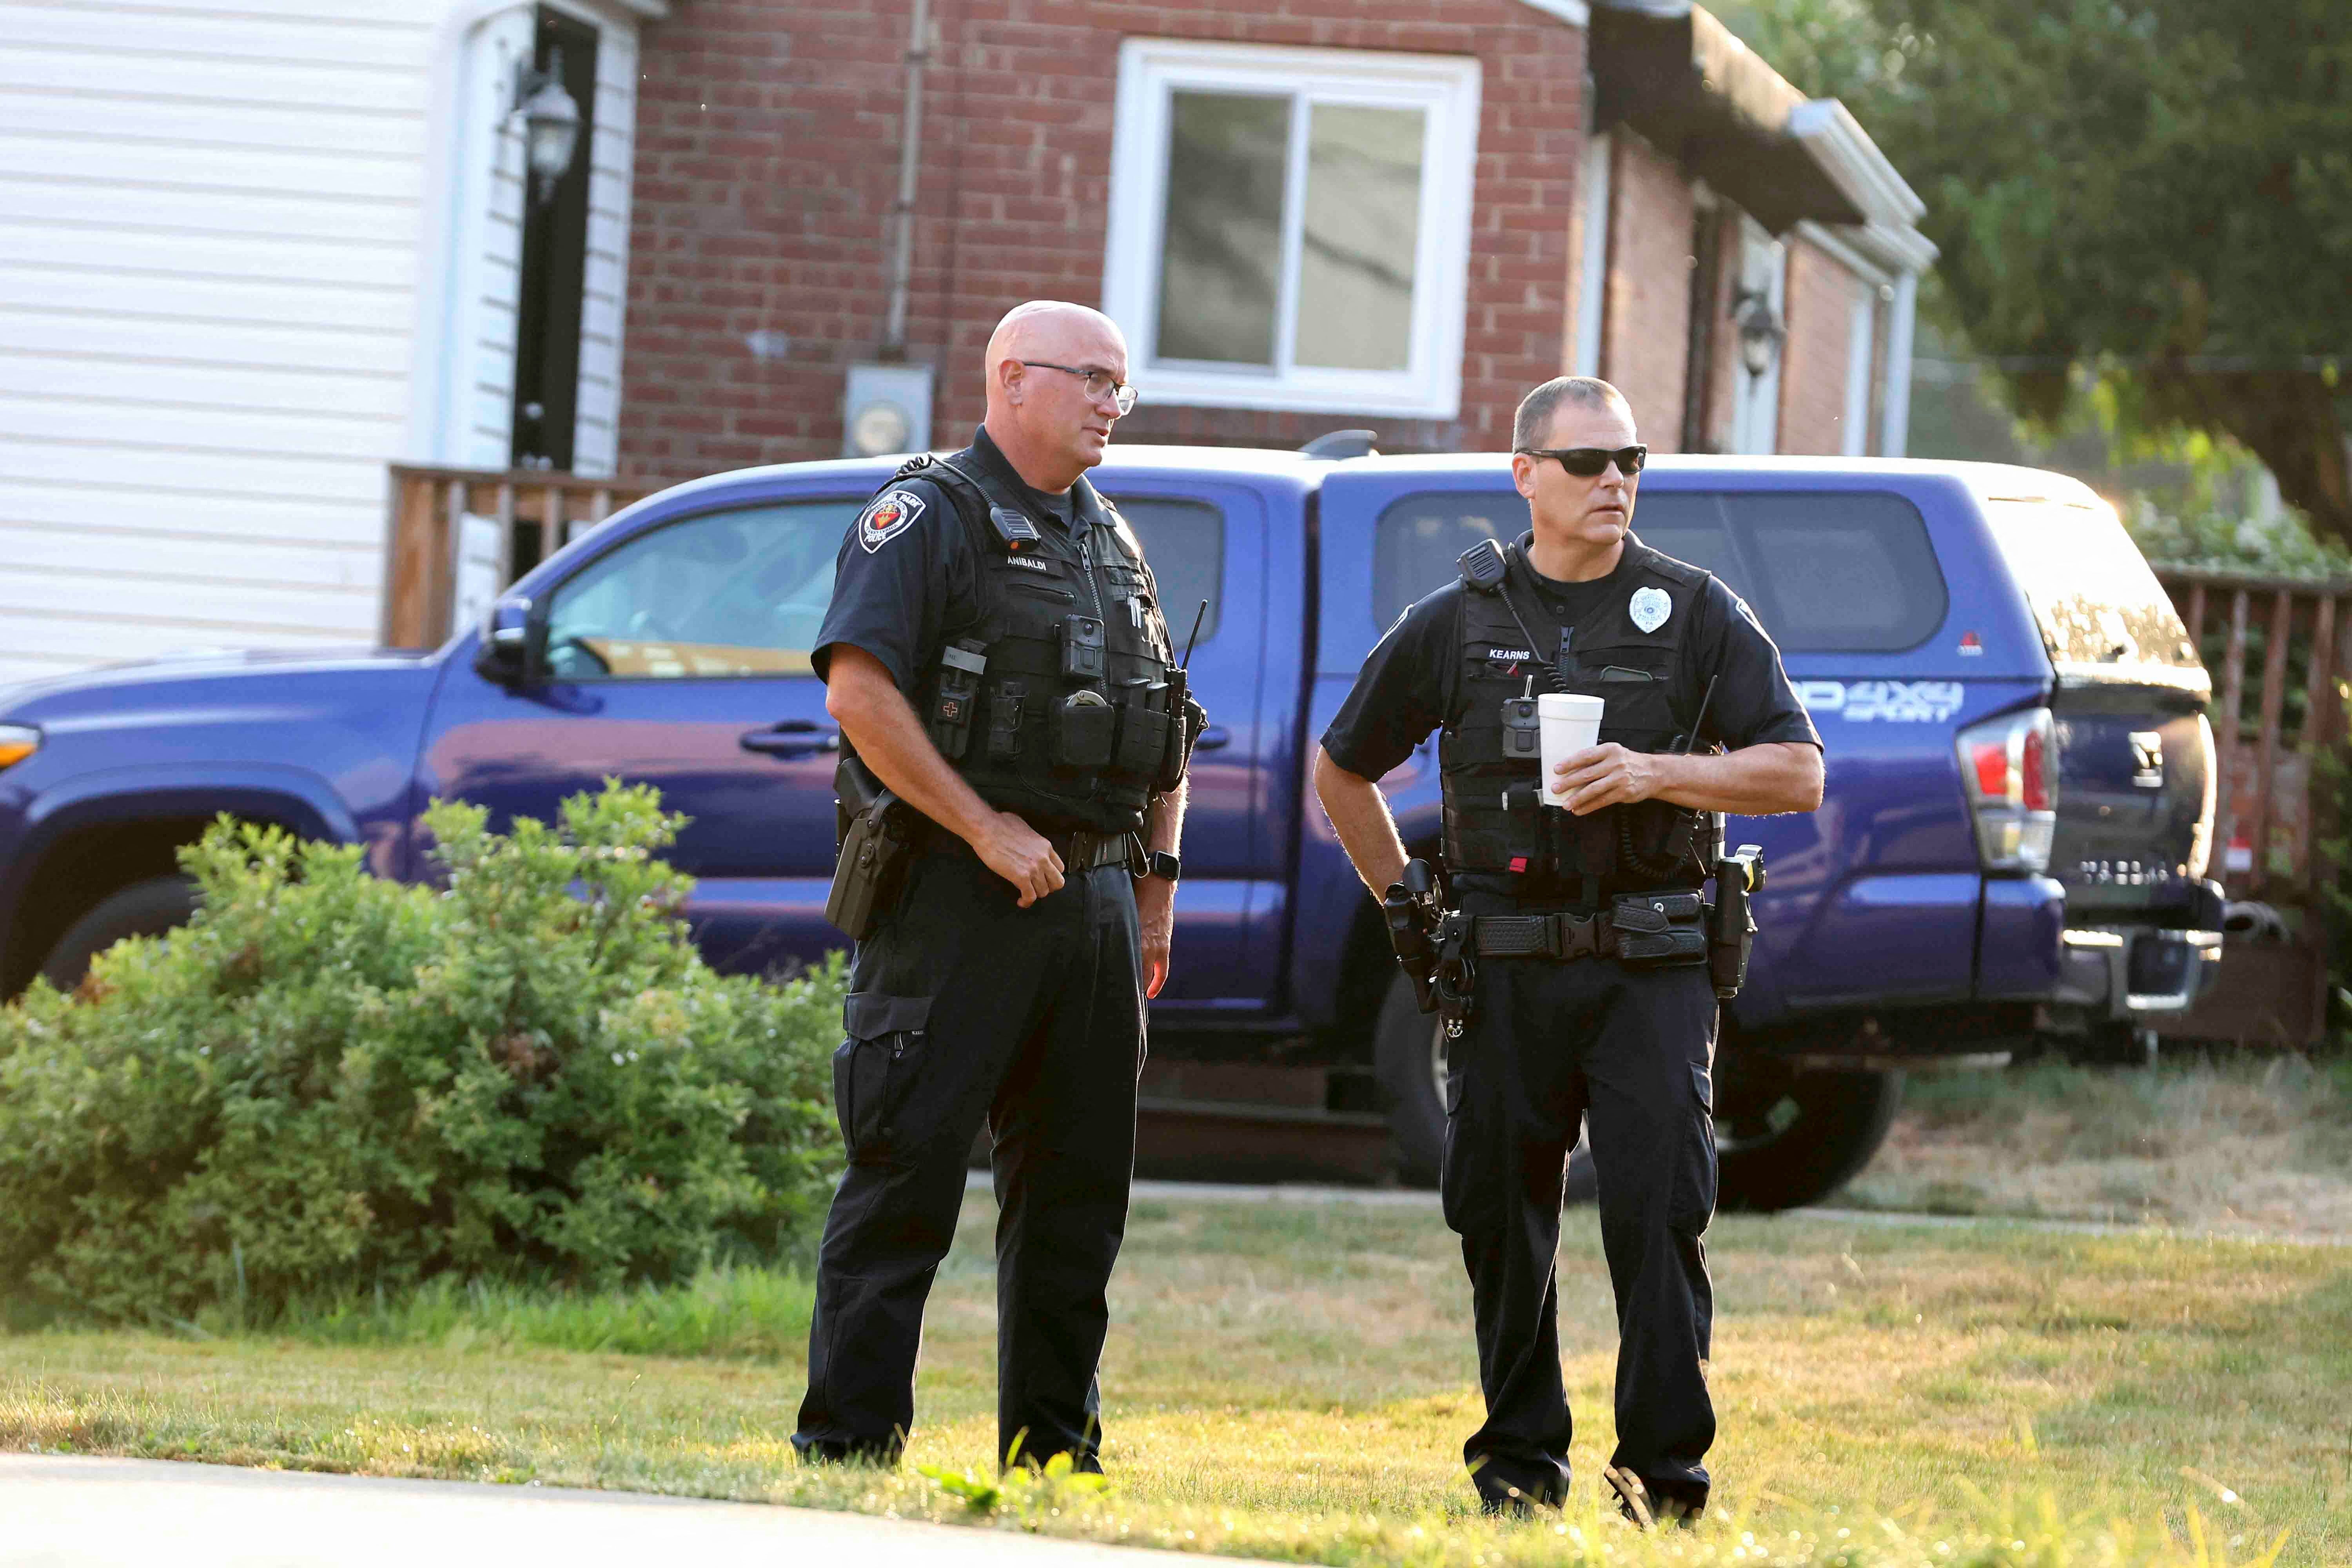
column 1291, row 229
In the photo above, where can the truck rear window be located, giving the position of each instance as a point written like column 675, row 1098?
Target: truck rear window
column 1835, row 572
column 2100, row 609
column 1184, row 543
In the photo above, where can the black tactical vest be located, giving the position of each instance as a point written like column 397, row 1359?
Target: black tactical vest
column 1496, row 826
column 1053, row 697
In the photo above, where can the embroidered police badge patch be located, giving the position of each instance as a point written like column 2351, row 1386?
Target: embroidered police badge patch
column 887, row 516
column 1650, row 607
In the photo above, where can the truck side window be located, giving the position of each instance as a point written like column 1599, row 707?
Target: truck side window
column 1184, row 544
column 1420, row 537
column 1826, row 572
column 729, row 593
column 1830, row 572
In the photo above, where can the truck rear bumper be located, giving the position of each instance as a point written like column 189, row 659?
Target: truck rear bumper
column 2120, row 973
column 2134, row 971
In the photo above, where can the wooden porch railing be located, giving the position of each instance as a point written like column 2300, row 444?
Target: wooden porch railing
column 536, row 511
column 2277, row 648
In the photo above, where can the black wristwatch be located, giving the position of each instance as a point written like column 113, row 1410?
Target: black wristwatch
column 1160, row 863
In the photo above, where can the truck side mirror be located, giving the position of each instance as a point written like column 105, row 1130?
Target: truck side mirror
column 514, row 644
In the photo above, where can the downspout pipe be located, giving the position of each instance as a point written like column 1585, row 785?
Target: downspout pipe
column 902, row 211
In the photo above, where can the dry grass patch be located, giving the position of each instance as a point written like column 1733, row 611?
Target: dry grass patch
column 2241, row 1145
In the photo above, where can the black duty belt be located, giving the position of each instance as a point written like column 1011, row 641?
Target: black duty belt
column 1080, row 851
column 1660, row 926
column 1560, row 936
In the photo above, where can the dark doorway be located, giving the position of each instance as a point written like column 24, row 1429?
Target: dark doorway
column 1706, row 291
column 554, row 263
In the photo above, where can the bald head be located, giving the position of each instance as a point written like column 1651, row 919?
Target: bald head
column 1040, row 413
column 1054, row 330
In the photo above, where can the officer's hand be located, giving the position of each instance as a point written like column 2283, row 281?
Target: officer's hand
column 1155, row 910
column 1018, row 853
column 1604, row 775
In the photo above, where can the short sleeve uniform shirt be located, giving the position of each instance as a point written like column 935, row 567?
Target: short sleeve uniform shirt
column 906, row 579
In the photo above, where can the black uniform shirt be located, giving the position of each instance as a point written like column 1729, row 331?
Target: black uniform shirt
column 901, row 589
column 1402, row 694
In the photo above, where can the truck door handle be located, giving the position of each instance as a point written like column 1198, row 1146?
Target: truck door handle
column 793, row 738
column 1215, row 738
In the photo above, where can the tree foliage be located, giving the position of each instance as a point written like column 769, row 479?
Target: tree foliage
column 2156, row 193
column 328, row 1082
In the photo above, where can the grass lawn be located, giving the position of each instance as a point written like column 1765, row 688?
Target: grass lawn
column 2251, row 1142
column 1294, row 1379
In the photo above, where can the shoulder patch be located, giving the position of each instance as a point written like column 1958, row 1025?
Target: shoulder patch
column 887, row 516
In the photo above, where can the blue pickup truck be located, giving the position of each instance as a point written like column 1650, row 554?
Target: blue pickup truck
column 2013, row 844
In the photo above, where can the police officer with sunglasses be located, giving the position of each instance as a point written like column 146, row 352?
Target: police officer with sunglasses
column 1575, row 963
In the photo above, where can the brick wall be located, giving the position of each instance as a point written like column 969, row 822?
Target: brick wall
column 767, row 141
column 1820, row 300
column 1645, row 334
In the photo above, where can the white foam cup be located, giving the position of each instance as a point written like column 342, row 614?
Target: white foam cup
column 1568, row 725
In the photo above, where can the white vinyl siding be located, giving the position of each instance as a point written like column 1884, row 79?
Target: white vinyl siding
column 249, row 255
column 208, row 226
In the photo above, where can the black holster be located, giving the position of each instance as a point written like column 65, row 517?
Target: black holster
column 1416, row 955
column 1456, row 979
column 878, row 845
column 1730, row 928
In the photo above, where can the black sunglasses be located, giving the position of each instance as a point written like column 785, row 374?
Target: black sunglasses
column 1587, row 462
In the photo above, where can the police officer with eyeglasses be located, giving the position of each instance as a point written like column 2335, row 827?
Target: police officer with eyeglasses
column 1579, row 963
column 997, row 658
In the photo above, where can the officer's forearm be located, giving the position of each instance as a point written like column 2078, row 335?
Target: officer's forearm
column 1755, row 781
column 1360, row 816
column 1164, row 828
column 890, row 739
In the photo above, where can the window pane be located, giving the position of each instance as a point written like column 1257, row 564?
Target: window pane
column 1825, row 573
column 1221, row 256
column 728, row 594
column 1852, row 573
column 1184, row 543
column 1420, row 537
column 1362, row 224
column 2094, row 594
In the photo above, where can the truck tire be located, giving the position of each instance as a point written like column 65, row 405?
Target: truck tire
column 1410, row 1054
column 143, row 909
column 1783, row 1141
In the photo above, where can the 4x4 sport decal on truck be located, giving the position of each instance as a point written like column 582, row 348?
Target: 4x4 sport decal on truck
column 1887, row 702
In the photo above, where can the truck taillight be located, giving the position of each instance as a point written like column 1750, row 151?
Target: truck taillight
column 2033, row 772
column 2005, row 764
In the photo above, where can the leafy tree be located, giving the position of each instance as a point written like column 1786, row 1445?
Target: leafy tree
column 2154, row 193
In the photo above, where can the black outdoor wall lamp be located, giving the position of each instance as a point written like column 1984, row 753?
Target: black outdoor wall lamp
column 551, row 123
column 1760, row 331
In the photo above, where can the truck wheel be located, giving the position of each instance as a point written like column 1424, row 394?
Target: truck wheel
column 1785, row 1139
column 1409, row 1051
column 143, row 909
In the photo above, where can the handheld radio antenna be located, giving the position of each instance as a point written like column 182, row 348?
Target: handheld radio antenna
column 1198, row 616
column 1708, row 695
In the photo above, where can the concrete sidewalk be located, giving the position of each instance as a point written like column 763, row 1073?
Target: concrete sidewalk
column 64, row 1511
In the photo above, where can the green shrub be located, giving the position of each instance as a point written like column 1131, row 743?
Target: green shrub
column 329, row 1083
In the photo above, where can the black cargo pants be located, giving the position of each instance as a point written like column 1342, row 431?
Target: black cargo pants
column 1633, row 1051
column 964, row 1008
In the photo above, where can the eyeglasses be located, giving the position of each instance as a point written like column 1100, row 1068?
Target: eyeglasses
column 1101, row 383
column 1587, row 462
